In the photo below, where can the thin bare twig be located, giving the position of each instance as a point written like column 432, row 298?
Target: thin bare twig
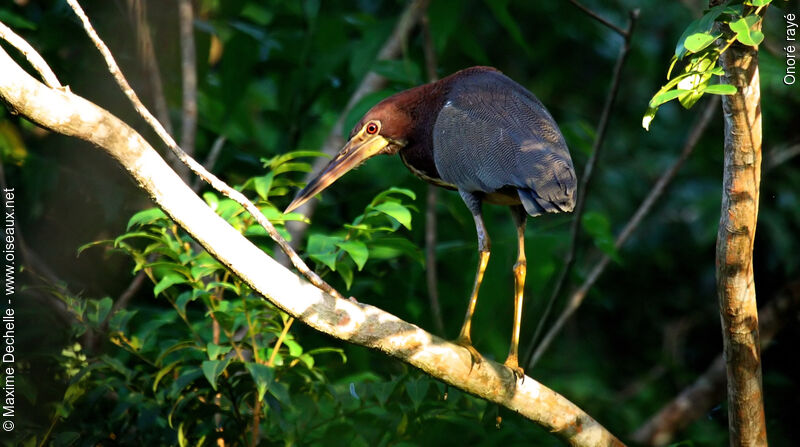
column 596, row 16
column 211, row 160
column 586, row 178
column 188, row 76
column 196, row 167
column 778, row 156
column 31, row 55
column 432, row 194
column 709, row 388
column 138, row 12
column 576, row 298
column 372, row 82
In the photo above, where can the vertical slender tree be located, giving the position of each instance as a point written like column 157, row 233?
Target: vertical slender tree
column 735, row 237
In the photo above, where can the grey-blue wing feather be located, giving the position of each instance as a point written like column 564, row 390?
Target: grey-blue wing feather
column 492, row 133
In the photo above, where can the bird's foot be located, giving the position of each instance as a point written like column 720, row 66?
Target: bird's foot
column 512, row 363
column 466, row 343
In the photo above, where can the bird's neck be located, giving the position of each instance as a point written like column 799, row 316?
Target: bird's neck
column 422, row 105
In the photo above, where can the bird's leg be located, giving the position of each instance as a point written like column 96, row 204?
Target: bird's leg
column 512, row 362
column 474, row 204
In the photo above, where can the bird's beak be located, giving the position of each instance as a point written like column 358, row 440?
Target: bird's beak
column 361, row 147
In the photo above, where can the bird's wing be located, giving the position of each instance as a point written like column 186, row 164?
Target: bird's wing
column 492, row 133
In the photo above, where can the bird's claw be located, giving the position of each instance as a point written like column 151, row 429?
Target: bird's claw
column 475, row 356
column 512, row 364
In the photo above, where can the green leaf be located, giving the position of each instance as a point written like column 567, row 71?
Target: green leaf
column 262, row 375
column 187, row 376
column 690, row 98
column 392, row 247
column 699, row 41
column 263, row 184
column 103, row 309
column 345, row 271
column 146, row 217
column 278, row 160
column 384, row 390
column 308, row 360
column 186, row 344
column 182, row 441
column 758, row 3
column 163, row 372
column 661, row 98
column 214, row 350
column 167, row 281
column 720, row 89
column 322, row 248
column 701, row 25
column 281, row 392
column 383, row 195
column 598, row 226
column 396, row 211
column 327, row 259
column 743, row 32
column 188, row 296
column 211, row 199
column 595, row 223
column 16, row 21
column 357, row 250
column 92, row 244
column 119, row 321
column 417, row 389
column 295, row 350
column 324, row 350
column 212, row 369
column 648, row 117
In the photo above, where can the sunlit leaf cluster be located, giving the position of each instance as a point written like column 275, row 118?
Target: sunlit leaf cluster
column 727, row 23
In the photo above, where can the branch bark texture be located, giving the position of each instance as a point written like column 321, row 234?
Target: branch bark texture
column 737, row 227
column 66, row 113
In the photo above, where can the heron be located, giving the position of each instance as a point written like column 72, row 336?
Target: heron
column 482, row 134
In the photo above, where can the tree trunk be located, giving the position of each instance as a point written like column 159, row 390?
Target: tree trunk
column 737, row 227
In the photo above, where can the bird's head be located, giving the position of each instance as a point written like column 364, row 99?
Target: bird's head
column 384, row 129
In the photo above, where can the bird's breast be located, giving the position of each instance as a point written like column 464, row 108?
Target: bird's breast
column 419, row 168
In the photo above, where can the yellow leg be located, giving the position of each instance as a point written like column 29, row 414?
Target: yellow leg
column 483, row 260
column 464, row 338
column 520, row 269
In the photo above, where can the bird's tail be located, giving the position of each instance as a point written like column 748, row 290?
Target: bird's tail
column 536, row 205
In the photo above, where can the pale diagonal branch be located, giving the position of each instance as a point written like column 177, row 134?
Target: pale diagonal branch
column 362, row 324
column 196, row 167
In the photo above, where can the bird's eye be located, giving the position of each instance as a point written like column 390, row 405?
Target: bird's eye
column 372, row 128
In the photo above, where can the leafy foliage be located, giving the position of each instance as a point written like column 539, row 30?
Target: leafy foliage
column 224, row 355
column 731, row 21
